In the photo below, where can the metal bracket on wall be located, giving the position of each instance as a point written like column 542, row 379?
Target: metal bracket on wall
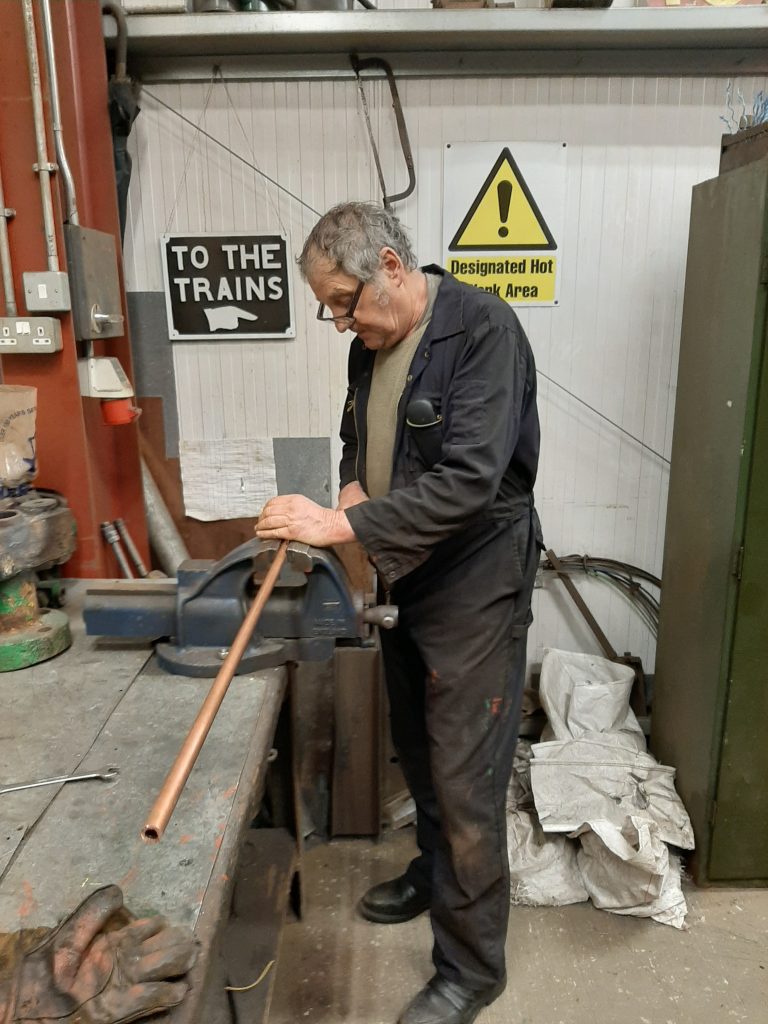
column 405, row 143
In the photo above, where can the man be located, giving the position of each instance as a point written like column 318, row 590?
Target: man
column 441, row 441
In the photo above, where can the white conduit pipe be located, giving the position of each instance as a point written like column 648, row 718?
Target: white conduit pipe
column 5, row 255
column 43, row 167
column 58, row 136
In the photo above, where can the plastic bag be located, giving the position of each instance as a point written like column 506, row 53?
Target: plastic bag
column 18, row 461
column 585, row 696
column 629, row 870
column 543, row 869
column 582, row 780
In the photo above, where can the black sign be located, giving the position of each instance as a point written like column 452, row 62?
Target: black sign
column 227, row 286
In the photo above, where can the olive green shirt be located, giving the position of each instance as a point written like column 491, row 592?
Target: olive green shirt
column 390, row 372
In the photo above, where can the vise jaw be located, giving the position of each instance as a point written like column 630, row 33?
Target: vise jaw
column 197, row 616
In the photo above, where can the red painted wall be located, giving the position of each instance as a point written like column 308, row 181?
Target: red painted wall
column 95, row 466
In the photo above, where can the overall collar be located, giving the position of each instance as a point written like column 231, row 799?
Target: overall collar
column 447, row 320
column 448, row 313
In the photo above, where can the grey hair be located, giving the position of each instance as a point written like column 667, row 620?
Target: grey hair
column 352, row 235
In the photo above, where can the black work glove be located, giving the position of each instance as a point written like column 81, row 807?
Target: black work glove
column 100, row 966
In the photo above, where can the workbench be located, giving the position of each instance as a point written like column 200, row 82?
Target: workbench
column 107, row 703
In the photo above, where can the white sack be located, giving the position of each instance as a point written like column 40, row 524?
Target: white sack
column 586, row 696
column 519, row 793
column 629, row 871
column 543, row 869
column 582, row 780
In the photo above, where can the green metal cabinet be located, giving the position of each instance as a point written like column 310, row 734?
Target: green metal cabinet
column 710, row 710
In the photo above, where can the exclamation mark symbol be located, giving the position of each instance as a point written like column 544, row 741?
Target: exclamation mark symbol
column 504, row 192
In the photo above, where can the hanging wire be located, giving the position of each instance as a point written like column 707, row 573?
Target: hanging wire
column 730, row 120
column 190, row 154
column 233, row 108
column 227, row 149
column 624, row 578
column 607, row 419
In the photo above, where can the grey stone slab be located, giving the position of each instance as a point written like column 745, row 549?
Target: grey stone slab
column 153, row 359
column 51, row 715
column 11, row 834
column 303, row 466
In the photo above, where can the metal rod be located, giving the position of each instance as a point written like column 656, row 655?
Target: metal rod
column 167, row 798
column 106, row 774
column 112, row 538
column 131, row 548
column 43, row 167
column 581, row 604
column 5, row 255
column 58, row 132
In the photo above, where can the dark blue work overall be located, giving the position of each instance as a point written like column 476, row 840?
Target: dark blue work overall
column 456, row 543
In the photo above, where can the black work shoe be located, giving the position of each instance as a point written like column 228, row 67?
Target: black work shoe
column 394, row 902
column 445, row 1002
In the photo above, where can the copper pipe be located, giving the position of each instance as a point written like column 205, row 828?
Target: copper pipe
column 167, row 798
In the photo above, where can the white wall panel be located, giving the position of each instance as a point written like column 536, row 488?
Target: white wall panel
column 636, row 146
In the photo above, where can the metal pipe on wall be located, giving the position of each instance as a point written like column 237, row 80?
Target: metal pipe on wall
column 163, row 535
column 58, row 133
column 5, row 255
column 121, row 57
column 43, row 168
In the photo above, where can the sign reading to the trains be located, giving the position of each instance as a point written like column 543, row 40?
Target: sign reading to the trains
column 227, row 287
column 503, row 212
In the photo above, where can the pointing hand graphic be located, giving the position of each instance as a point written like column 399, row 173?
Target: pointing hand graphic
column 227, row 318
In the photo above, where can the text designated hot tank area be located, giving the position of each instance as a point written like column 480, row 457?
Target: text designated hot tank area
column 631, row 149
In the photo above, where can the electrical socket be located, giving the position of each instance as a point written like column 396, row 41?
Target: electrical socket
column 35, row 335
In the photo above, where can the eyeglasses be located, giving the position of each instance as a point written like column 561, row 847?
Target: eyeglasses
column 347, row 318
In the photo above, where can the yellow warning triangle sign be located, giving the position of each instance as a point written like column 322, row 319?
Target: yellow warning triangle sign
column 504, row 215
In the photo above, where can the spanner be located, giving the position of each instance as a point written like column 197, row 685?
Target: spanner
column 103, row 773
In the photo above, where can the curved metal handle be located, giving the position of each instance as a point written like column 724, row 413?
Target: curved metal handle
column 100, row 319
column 378, row 62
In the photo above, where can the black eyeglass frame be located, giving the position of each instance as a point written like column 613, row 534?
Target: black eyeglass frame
column 347, row 317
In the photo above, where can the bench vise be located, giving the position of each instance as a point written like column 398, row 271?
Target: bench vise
column 197, row 615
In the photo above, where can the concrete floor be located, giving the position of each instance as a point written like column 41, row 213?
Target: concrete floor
column 570, row 965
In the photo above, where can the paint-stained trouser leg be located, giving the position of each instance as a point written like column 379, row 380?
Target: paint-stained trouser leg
column 455, row 670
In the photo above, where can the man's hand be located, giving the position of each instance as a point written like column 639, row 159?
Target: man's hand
column 294, row 517
column 352, row 494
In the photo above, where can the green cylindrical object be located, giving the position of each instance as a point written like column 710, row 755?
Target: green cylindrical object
column 27, row 634
column 18, row 602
